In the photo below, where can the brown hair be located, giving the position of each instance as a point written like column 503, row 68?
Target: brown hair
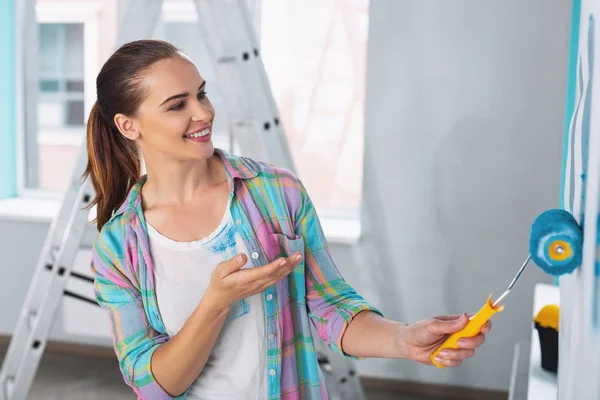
column 113, row 160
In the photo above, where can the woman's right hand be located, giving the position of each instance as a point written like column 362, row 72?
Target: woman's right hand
column 229, row 284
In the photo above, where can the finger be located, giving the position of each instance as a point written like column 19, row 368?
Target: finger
column 278, row 275
column 281, row 272
column 255, row 276
column 456, row 354
column 293, row 262
column 440, row 326
column 472, row 342
column 448, row 363
column 485, row 329
column 448, row 317
column 286, row 269
column 263, row 272
column 275, row 270
column 233, row 264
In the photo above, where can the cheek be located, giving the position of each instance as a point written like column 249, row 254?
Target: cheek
column 209, row 107
column 164, row 128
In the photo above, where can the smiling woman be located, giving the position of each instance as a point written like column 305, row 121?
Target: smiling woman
column 176, row 107
column 212, row 266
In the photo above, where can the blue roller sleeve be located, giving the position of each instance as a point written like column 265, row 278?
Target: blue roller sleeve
column 549, row 227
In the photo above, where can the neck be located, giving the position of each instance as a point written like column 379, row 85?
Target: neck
column 178, row 182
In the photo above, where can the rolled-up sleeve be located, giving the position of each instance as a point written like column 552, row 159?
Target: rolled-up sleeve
column 332, row 303
column 134, row 339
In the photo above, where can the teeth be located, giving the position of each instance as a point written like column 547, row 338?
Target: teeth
column 203, row 132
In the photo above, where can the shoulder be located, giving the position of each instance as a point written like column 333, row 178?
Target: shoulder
column 109, row 251
column 274, row 173
column 277, row 182
column 260, row 171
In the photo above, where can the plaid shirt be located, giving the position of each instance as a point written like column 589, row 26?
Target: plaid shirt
column 275, row 217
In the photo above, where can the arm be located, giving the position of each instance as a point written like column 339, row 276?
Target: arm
column 332, row 302
column 154, row 366
column 178, row 362
column 371, row 335
column 353, row 327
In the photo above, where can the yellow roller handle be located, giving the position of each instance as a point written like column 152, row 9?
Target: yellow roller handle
column 472, row 329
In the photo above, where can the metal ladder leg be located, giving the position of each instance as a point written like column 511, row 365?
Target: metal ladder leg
column 56, row 259
column 254, row 121
column 249, row 104
column 45, row 291
column 340, row 373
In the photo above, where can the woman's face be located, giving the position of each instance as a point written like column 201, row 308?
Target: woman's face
column 174, row 122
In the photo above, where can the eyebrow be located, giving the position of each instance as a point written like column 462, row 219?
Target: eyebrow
column 181, row 95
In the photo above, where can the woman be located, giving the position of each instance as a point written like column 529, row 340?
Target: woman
column 211, row 265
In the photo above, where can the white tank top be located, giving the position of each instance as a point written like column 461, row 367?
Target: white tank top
column 236, row 367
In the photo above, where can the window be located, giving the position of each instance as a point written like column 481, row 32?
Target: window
column 317, row 76
column 178, row 26
column 60, row 112
column 65, row 53
column 314, row 52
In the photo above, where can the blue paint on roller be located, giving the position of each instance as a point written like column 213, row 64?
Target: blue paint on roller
column 548, row 228
column 586, row 117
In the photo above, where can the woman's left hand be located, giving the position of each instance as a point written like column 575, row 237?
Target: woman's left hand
column 418, row 341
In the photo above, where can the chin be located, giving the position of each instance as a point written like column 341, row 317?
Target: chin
column 206, row 150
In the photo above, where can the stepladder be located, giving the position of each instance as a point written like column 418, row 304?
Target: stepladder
column 252, row 119
column 46, row 290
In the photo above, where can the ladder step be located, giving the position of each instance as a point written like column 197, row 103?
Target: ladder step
column 80, row 297
column 45, row 293
column 245, row 56
column 82, row 277
column 227, row 59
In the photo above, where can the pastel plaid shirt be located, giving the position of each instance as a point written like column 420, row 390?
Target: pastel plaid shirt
column 275, row 217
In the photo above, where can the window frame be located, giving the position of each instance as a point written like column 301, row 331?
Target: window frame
column 87, row 14
column 41, row 205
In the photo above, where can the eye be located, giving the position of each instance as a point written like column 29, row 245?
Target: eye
column 201, row 95
column 178, row 106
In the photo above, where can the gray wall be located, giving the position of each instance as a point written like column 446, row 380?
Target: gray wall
column 464, row 118
column 463, row 149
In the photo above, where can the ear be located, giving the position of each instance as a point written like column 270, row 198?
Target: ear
column 127, row 126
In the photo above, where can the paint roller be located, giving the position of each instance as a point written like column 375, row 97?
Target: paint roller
column 555, row 245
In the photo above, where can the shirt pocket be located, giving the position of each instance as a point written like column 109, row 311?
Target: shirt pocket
column 283, row 246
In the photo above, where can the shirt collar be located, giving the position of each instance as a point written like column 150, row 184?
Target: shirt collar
column 235, row 166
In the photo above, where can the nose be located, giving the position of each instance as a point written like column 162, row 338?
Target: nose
column 200, row 112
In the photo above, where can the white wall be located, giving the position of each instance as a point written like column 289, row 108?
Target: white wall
column 579, row 295
column 20, row 247
column 463, row 149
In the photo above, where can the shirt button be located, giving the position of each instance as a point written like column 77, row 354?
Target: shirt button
column 271, row 336
column 255, row 255
column 269, row 297
column 272, row 372
column 238, row 221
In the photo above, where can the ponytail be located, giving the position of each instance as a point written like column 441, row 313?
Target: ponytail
column 113, row 165
column 113, row 160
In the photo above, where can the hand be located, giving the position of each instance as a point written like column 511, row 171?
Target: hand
column 418, row 341
column 228, row 284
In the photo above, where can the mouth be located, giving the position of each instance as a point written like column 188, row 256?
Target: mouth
column 200, row 135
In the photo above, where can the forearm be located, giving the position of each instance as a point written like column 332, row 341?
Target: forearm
column 371, row 335
column 178, row 362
